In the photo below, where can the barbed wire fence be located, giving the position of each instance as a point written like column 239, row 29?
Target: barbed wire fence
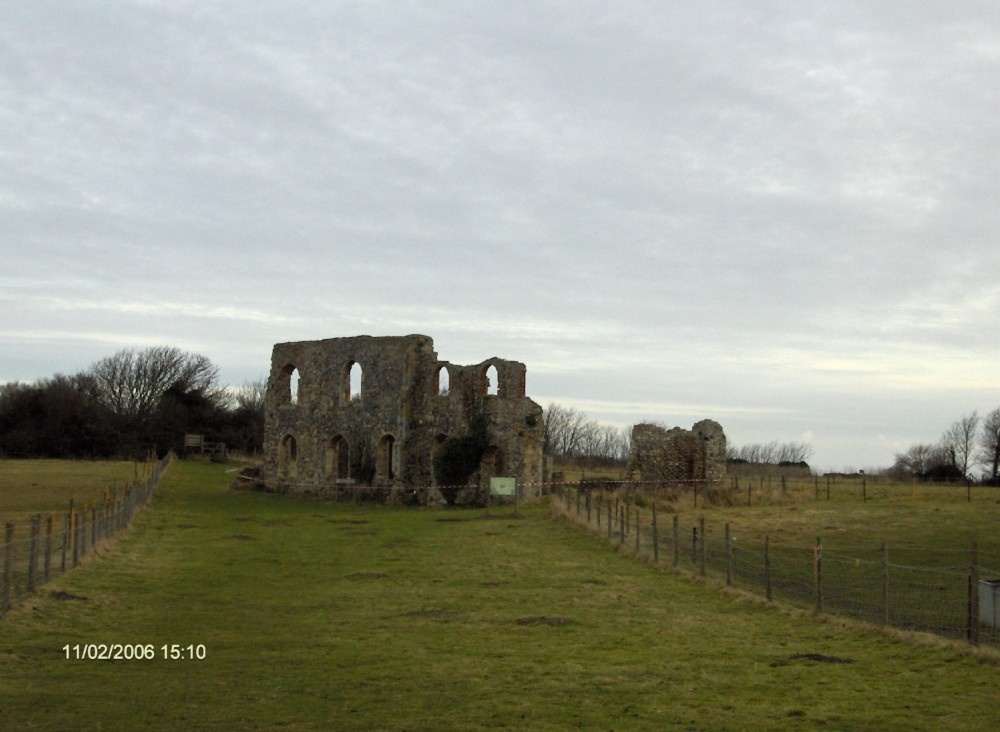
column 953, row 593
column 54, row 543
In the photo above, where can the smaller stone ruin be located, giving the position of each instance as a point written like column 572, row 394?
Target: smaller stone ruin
column 678, row 455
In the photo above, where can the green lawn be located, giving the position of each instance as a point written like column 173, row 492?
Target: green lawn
column 322, row 616
column 28, row 487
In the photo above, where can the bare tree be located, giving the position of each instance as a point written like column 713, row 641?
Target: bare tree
column 153, row 394
column 565, row 430
column 916, row 461
column 772, row 453
column 571, row 433
column 250, row 396
column 959, row 441
column 131, row 383
column 989, row 442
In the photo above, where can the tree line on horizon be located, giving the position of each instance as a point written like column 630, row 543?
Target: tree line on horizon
column 127, row 405
column 571, row 434
column 970, row 442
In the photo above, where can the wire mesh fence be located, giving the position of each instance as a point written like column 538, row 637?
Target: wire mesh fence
column 51, row 544
column 953, row 593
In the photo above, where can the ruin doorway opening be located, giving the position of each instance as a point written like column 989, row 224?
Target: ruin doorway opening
column 386, row 459
column 288, row 457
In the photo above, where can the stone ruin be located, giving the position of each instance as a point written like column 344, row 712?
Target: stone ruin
column 678, row 455
column 347, row 413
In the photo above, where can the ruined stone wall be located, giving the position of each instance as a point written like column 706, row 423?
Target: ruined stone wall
column 387, row 431
column 677, row 454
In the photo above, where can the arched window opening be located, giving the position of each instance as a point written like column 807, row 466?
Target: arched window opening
column 443, row 381
column 288, row 457
column 353, row 383
column 290, row 384
column 337, row 460
column 492, row 381
column 386, row 459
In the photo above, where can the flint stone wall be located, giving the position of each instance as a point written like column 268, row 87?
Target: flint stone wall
column 386, row 433
column 670, row 455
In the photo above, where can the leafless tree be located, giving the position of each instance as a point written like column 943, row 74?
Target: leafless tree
column 989, row 443
column 571, row 433
column 565, row 430
column 250, row 396
column 917, row 460
column 959, row 441
column 772, row 453
column 132, row 382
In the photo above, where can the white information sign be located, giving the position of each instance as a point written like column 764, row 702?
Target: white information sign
column 503, row 486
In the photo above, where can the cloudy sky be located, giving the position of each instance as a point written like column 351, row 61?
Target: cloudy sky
column 782, row 216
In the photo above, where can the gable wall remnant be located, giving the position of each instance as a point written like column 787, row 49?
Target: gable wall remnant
column 671, row 455
column 374, row 411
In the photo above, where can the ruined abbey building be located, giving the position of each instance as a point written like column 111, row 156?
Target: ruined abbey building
column 677, row 455
column 386, row 412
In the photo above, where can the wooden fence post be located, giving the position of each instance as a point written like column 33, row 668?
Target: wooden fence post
column 621, row 525
column 677, row 539
column 65, row 545
column 885, row 584
column 36, row 522
column 729, row 558
column 767, row 567
column 638, row 530
column 972, row 631
column 48, row 546
column 8, row 568
column 656, row 537
column 818, row 566
column 599, row 514
column 609, row 518
column 75, row 523
column 704, row 546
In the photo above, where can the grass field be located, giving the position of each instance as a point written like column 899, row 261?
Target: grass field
column 321, row 616
column 28, row 487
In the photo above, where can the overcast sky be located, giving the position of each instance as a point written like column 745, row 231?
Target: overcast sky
column 782, row 216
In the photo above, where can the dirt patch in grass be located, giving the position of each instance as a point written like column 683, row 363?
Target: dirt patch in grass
column 367, row 575
column 433, row 614
column 543, row 620
column 63, row 595
column 817, row 657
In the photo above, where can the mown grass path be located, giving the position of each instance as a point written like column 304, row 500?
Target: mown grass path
column 323, row 616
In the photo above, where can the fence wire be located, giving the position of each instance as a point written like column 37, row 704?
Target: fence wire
column 951, row 593
column 49, row 544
